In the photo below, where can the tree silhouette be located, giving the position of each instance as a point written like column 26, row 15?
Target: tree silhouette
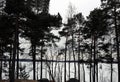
column 6, row 35
column 96, row 27
column 112, row 8
column 15, row 9
column 80, row 21
column 39, row 31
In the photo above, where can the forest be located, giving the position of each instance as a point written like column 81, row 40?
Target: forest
column 29, row 49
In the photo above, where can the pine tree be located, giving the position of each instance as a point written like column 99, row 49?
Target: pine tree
column 96, row 27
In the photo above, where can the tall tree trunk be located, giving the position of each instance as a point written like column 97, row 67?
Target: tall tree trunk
column 97, row 72
column 73, row 55
column 69, row 63
column 1, row 53
column 61, row 74
column 83, row 72
column 90, row 72
column 91, row 62
column 37, row 71
column 34, row 60
column 94, row 59
column 17, row 69
column 111, row 77
column 10, row 69
column 65, row 58
column 15, row 46
column 83, row 69
column 41, row 62
column 79, row 56
column 96, row 67
column 59, row 69
column 52, row 68
column 117, row 42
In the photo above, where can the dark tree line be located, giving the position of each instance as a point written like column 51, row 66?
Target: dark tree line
column 87, row 41
column 93, row 40
column 28, row 19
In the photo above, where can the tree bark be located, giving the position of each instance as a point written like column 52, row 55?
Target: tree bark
column 117, row 42
column 73, row 55
column 111, row 78
column 34, row 59
column 14, row 50
column 41, row 61
column 94, row 59
column 11, row 46
column 65, row 58
column 17, row 51
column 69, row 63
column 79, row 56
column 83, row 69
column 90, row 62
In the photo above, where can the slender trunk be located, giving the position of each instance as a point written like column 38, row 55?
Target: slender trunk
column 34, row 50
column 69, row 63
column 34, row 60
column 17, row 58
column 117, row 43
column 41, row 61
column 91, row 63
column 90, row 72
column 97, row 72
column 15, row 46
column 79, row 57
column 96, row 66
column 10, row 61
column 1, row 53
column 52, row 66
column 59, row 71
column 111, row 78
column 94, row 78
column 65, row 58
column 73, row 55
column 83, row 69
column 61, row 74
column 83, row 72
column 37, row 69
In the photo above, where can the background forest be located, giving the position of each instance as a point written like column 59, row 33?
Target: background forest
column 29, row 49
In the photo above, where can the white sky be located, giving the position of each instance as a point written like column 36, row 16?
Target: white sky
column 61, row 6
column 84, row 6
